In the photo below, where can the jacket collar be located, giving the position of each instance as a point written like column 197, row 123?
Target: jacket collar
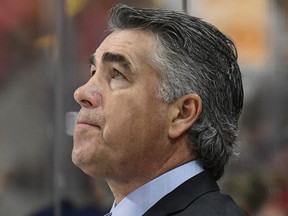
column 183, row 195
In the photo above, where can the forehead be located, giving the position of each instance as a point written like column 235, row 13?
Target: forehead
column 135, row 45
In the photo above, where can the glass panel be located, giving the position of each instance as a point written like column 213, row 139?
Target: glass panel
column 258, row 179
column 44, row 49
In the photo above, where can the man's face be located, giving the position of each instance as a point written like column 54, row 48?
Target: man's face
column 122, row 126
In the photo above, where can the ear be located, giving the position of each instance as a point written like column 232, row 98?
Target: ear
column 184, row 113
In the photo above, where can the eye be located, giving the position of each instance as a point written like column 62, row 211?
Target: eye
column 92, row 73
column 117, row 74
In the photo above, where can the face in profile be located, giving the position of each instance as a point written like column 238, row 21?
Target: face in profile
column 121, row 130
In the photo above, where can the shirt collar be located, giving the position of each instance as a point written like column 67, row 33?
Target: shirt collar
column 140, row 200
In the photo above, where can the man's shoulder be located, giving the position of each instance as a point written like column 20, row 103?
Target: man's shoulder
column 213, row 203
column 199, row 196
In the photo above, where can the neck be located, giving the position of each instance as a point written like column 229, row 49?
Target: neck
column 121, row 189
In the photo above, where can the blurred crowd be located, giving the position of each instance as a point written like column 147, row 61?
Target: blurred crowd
column 29, row 48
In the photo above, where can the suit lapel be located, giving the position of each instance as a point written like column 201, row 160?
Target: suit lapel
column 178, row 199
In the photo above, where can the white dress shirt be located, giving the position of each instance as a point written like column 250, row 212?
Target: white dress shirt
column 143, row 198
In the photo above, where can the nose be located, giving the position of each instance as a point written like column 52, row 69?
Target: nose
column 88, row 95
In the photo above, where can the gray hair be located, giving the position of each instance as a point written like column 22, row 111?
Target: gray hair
column 194, row 57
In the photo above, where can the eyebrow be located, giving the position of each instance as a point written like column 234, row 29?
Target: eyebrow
column 91, row 60
column 109, row 57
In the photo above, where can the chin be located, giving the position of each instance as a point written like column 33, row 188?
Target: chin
column 78, row 158
column 75, row 160
column 83, row 163
column 80, row 164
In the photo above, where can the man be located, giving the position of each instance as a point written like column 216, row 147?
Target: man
column 158, row 118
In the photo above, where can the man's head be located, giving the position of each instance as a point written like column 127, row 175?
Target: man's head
column 194, row 57
column 181, row 83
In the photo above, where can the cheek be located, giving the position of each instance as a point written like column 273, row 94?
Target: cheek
column 120, row 126
column 123, row 120
column 133, row 124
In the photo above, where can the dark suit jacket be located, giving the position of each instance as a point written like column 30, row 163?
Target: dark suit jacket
column 198, row 196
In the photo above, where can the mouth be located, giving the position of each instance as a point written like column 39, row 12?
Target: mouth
column 86, row 124
column 88, row 120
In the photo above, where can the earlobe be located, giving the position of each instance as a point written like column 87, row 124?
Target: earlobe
column 185, row 111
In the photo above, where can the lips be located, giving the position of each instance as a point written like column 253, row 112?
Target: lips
column 87, row 121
